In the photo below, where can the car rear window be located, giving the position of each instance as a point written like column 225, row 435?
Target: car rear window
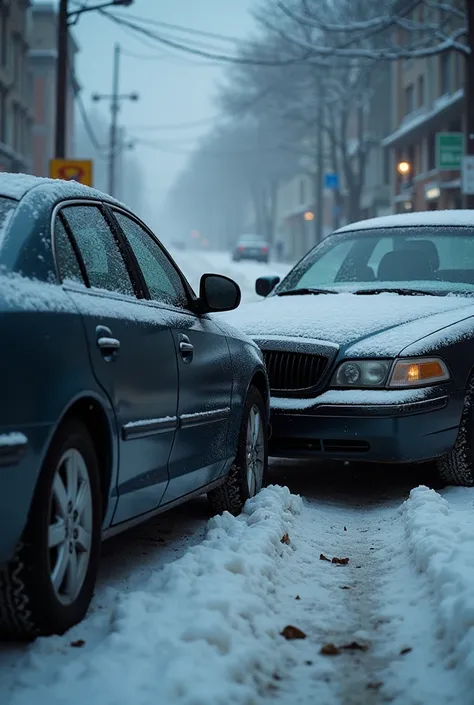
column 7, row 206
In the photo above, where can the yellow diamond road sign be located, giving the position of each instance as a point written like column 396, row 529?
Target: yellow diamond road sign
column 72, row 170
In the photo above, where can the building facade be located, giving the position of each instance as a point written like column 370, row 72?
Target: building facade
column 428, row 97
column 42, row 61
column 15, row 87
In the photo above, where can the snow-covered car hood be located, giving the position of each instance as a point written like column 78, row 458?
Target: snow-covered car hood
column 380, row 324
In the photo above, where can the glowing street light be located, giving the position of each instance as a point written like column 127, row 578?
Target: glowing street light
column 403, row 168
column 309, row 215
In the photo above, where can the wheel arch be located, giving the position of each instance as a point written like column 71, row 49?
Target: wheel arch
column 91, row 412
column 260, row 381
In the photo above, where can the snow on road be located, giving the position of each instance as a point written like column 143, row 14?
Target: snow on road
column 207, row 625
column 197, row 262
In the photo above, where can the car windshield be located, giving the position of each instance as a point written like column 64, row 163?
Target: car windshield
column 7, row 206
column 416, row 260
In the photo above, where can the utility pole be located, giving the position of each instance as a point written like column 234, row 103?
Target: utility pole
column 318, row 183
column 67, row 18
column 114, row 107
column 115, row 99
column 61, row 79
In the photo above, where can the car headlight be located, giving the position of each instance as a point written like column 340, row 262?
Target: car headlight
column 401, row 374
column 362, row 373
column 418, row 372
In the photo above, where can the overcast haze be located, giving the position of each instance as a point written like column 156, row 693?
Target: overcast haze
column 174, row 87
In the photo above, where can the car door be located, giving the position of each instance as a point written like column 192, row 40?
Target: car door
column 200, row 450
column 132, row 354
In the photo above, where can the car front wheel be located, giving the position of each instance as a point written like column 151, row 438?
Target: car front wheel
column 457, row 467
column 247, row 474
column 48, row 586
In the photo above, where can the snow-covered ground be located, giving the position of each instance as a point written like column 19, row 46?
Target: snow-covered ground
column 253, row 610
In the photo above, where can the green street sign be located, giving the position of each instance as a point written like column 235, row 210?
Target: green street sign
column 449, row 150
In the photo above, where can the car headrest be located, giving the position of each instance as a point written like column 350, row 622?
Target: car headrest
column 404, row 265
column 428, row 248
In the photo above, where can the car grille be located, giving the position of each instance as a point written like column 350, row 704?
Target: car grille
column 293, row 372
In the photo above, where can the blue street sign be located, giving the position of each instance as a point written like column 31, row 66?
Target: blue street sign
column 331, row 181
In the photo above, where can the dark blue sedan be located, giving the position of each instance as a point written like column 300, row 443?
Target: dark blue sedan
column 121, row 397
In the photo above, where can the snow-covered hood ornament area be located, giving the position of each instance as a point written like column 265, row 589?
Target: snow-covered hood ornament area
column 382, row 324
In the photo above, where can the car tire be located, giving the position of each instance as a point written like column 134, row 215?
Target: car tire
column 457, row 467
column 64, row 520
column 247, row 474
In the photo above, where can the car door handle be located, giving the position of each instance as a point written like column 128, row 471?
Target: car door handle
column 186, row 348
column 108, row 345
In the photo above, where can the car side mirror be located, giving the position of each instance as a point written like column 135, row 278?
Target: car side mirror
column 265, row 285
column 218, row 293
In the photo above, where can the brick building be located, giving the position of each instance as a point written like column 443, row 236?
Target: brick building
column 428, row 99
column 42, row 61
column 15, row 87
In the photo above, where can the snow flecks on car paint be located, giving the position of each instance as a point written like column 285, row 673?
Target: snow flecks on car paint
column 347, row 318
column 352, row 397
column 206, row 414
column 12, row 439
column 448, row 218
column 147, row 422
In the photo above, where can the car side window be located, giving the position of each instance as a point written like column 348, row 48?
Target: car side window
column 65, row 256
column 100, row 251
column 161, row 278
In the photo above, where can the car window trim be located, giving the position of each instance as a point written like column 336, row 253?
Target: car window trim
column 123, row 245
column 187, row 288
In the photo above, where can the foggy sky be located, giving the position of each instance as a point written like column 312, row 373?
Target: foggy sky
column 174, row 87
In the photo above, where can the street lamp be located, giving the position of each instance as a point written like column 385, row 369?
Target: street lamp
column 403, row 168
column 308, row 215
column 67, row 18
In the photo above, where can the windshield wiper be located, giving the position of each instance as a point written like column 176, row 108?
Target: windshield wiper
column 402, row 292
column 304, row 291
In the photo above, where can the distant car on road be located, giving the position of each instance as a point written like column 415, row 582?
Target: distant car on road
column 252, row 247
column 369, row 344
column 121, row 397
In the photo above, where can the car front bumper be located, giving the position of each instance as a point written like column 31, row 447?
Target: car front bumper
column 390, row 428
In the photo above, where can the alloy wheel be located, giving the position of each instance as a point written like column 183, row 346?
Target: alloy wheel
column 70, row 526
column 255, row 451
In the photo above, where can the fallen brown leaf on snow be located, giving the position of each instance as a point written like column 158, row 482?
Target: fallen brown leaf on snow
column 291, row 632
column 375, row 685
column 345, row 528
column 297, row 597
column 406, row 651
column 330, row 650
column 340, row 561
column 77, row 644
column 345, row 587
column 355, row 646
column 322, row 557
column 285, row 539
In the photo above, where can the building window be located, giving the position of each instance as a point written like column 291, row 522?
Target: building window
column 421, row 91
column 409, row 99
column 445, row 73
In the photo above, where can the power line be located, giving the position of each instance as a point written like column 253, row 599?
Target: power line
column 204, row 53
column 179, row 28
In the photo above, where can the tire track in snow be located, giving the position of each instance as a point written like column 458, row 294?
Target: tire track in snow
column 387, row 606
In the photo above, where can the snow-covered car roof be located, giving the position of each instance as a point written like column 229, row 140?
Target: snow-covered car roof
column 18, row 185
column 425, row 218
